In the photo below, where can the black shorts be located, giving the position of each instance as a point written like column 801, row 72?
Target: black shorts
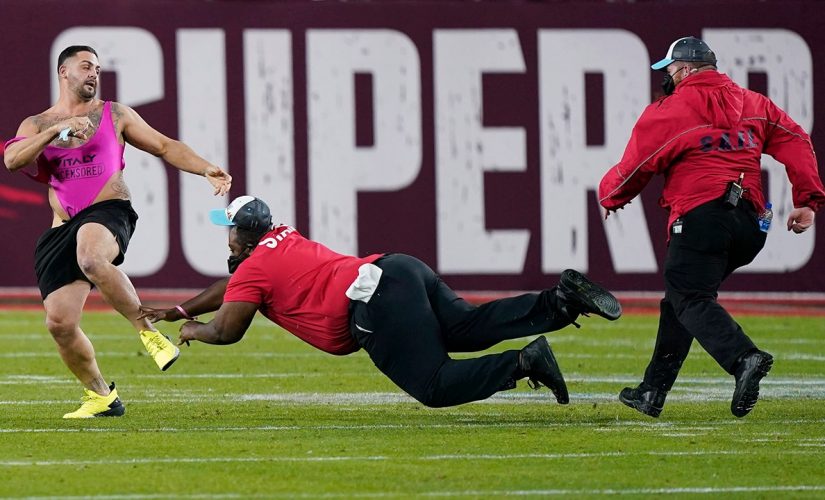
column 55, row 257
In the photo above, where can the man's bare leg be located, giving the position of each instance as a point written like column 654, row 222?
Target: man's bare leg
column 96, row 249
column 64, row 308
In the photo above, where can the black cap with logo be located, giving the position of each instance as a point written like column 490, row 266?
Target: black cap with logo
column 689, row 49
column 245, row 212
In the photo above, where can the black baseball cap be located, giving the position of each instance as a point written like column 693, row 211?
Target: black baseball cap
column 246, row 212
column 690, row 49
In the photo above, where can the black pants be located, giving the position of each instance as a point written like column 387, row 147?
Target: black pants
column 413, row 320
column 714, row 241
column 55, row 256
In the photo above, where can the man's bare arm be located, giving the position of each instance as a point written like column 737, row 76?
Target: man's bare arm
column 25, row 151
column 207, row 301
column 141, row 135
column 227, row 327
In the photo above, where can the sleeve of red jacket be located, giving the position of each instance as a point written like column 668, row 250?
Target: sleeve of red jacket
column 646, row 155
column 789, row 144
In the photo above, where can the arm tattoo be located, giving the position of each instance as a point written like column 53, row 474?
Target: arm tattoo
column 37, row 120
column 119, row 186
column 117, row 115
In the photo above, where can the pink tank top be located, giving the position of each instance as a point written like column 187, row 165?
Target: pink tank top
column 78, row 175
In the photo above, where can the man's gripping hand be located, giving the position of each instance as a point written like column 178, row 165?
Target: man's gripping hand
column 188, row 331
column 219, row 179
column 77, row 126
column 154, row 315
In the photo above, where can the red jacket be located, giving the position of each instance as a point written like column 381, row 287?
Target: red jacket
column 702, row 137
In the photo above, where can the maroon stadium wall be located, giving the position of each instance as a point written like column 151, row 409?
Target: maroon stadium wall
column 471, row 135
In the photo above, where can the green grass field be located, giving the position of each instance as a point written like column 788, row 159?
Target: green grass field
column 270, row 417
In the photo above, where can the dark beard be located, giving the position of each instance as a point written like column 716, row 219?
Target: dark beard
column 233, row 262
column 668, row 85
column 85, row 94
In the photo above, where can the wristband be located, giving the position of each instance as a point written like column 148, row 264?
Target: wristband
column 183, row 312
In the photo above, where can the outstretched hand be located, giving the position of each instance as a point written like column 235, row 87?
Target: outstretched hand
column 154, row 315
column 219, row 179
column 800, row 219
column 187, row 331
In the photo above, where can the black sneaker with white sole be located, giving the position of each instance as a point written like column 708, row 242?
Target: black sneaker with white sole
column 579, row 295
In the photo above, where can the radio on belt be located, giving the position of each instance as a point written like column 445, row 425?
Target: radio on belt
column 734, row 192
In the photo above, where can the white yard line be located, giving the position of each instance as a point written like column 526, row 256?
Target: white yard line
column 700, row 490
column 615, row 425
column 708, row 490
column 400, row 458
column 710, row 390
column 629, row 491
column 379, row 399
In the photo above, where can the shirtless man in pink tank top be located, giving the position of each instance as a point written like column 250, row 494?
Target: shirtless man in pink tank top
column 77, row 146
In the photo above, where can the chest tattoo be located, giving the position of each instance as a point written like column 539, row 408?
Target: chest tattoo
column 45, row 121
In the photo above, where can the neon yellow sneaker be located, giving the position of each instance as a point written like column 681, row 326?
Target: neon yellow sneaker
column 162, row 350
column 95, row 405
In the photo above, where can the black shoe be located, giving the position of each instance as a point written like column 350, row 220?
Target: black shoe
column 537, row 362
column 752, row 367
column 644, row 398
column 579, row 295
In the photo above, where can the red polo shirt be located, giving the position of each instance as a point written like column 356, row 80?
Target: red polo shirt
column 300, row 285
